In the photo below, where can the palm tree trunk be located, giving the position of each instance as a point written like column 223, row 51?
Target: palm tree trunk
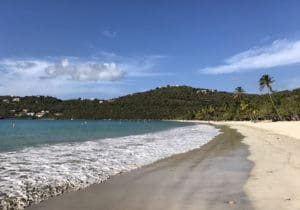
column 274, row 105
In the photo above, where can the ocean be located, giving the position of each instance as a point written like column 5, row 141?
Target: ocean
column 44, row 158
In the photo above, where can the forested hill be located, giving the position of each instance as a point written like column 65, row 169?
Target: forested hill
column 171, row 102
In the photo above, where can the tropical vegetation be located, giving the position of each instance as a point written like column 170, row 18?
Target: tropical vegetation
column 266, row 81
column 170, row 102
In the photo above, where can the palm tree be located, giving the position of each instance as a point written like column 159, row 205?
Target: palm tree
column 239, row 91
column 266, row 81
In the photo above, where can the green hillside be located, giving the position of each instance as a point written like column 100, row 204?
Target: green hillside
column 169, row 102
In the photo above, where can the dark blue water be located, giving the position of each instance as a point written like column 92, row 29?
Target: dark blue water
column 17, row 134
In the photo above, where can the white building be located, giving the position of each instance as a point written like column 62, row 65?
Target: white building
column 5, row 101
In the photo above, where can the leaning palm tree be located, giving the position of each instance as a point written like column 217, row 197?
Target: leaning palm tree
column 266, row 81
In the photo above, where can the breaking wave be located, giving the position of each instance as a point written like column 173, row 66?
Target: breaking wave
column 36, row 173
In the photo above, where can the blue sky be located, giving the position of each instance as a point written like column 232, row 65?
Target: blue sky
column 105, row 49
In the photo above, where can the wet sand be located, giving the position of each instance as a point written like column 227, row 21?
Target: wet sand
column 274, row 147
column 211, row 177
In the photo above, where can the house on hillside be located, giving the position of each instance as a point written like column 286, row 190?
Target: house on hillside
column 5, row 101
column 39, row 114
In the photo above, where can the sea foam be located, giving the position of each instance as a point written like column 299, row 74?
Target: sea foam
column 36, row 173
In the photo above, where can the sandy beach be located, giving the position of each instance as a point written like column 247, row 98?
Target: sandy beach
column 248, row 166
column 275, row 150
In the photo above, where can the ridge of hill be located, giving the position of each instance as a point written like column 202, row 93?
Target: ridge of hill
column 170, row 102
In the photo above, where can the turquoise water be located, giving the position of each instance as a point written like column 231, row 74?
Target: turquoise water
column 44, row 158
column 18, row 134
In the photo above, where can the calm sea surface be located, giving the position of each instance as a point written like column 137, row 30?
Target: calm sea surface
column 18, row 134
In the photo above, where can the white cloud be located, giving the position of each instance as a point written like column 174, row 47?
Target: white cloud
column 142, row 66
column 86, row 71
column 44, row 77
column 22, row 68
column 89, row 71
column 109, row 34
column 134, row 66
column 279, row 53
column 72, row 77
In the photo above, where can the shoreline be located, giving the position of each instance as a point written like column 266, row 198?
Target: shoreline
column 275, row 150
column 56, row 169
column 211, row 177
column 286, row 128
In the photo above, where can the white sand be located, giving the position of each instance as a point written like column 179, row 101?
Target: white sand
column 291, row 129
column 274, row 147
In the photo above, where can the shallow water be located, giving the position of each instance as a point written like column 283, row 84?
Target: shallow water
column 34, row 173
column 18, row 134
